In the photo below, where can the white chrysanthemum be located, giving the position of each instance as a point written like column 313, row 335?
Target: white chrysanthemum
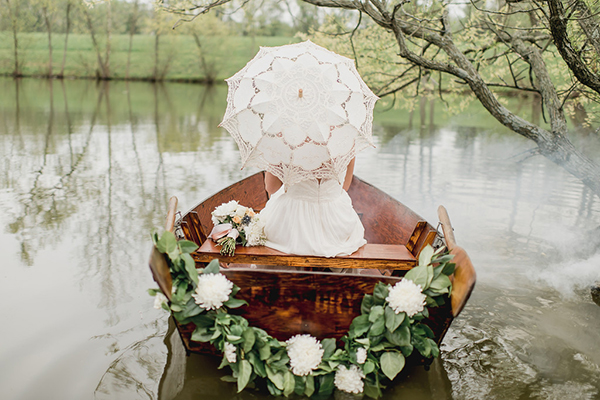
column 230, row 353
column 224, row 210
column 349, row 380
column 212, row 291
column 159, row 299
column 305, row 353
column 361, row 355
column 406, row 297
column 255, row 232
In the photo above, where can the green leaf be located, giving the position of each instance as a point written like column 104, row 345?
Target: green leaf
column 201, row 334
column 228, row 378
column 275, row 377
column 289, row 383
column 190, row 267
column 212, row 267
column 366, row 304
column 425, row 255
column 440, row 283
column 449, row 269
column 235, row 303
column 418, row 275
column 187, row 247
column 244, row 374
column 167, row 243
column 359, row 325
column 376, row 313
column 378, row 327
column 372, row 390
column 391, row 364
column 264, row 352
column 328, row 347
column 393, row 320
column 368, row 367
column 257, row 364
column 402, row 336
column 364, row 341
column 429, row 277
column 300, row 385
column 380, row 292
column 326, row 385
column 310, row 386
column 249, row 339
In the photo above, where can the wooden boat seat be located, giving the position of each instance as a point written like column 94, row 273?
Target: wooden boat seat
column 371, row 255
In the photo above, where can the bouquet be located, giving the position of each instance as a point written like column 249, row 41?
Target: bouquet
column 235, row 224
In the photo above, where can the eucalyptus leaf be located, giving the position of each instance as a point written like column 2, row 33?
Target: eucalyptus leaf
column 235, row 303
column 275, row 377
column 257, row 364
column 378, row 327
column 300, row 385
column 372, row 391
column 418, row 275
column 359, row 325
column 380, row 292
column 229, row 378
column 212, row 267
column 326, row 385
column 366, row 304
column 328, row 347
column 244, row 374
column 201, row 334
column 429, row 276
column 440, row 283
column 449, row 269
column 364, row 341
column 264, row 352
column 368, row 367
column 392, row 363
column 425, row 255
column 187, row 246
column 249, row 339
column 393, row 320
column 376, row 313
column 289, row 383
column 310, row 386
column 190, row 267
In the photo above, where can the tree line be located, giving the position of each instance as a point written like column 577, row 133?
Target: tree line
column 103, row 20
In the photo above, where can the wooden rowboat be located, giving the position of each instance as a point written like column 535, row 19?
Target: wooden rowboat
column 313, row 300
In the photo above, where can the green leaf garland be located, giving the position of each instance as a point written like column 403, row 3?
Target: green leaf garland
column 385, row 336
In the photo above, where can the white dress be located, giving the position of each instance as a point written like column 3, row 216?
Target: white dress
column 313, row 218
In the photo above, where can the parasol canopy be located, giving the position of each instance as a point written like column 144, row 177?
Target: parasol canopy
column 300, row 112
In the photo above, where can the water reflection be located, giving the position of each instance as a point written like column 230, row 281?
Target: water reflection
column 87, row 170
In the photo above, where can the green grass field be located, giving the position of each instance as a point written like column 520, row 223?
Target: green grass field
column 178, row 55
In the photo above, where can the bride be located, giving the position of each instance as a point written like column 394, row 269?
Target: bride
column 313, row 217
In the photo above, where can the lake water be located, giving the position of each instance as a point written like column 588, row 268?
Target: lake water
column 86, row 170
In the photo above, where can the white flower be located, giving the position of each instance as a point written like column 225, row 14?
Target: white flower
column 240, row 211
column 305, row 353
column 159, row 299
column 224, row 210
column 406, row 297
column 349, row 380
column 212, row 291
column 255, row 232
column 230, row 353
column 361, row 355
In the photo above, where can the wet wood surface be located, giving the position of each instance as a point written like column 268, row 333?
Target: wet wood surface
column 375, row 256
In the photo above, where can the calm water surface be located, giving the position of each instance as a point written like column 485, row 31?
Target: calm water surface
column 85, row 174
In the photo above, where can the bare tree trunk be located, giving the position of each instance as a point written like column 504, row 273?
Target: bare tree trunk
column 208, row 69
column 132, row 26
column 49, row 29
column 64, row 60
column 102, row 72
column 14, row 15
column 156, row 54
column 108, row 37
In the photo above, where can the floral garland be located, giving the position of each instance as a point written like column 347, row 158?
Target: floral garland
column 375, row 347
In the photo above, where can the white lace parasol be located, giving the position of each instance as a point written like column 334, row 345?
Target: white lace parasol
column 300, row 112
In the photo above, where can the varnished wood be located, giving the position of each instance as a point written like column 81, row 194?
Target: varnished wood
column 464, row 273
column 171, row 211
column 160, row 271
column 374, row 256
column 417, row 232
